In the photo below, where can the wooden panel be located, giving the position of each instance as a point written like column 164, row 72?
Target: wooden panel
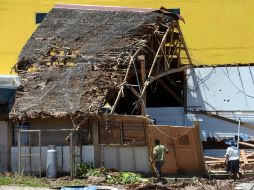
column 170, row 165
column 186, row 151
column 184, row 135
column 184, row 154
column 109, row 132
column 133, row 133
column 187, row 161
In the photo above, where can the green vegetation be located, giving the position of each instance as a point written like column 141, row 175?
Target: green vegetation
column 86, row 173
column 22, row 180
column 109, row 176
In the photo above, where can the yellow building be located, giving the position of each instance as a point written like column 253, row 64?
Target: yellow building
column 216, row 31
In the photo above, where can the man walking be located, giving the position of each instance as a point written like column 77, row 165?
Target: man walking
column 232, row 160
column 158, row 156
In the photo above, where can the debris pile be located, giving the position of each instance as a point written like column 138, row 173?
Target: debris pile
column 77, row 60
column 108, row 176
column 193, row 184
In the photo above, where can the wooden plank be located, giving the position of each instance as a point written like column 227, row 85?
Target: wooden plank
column 213, row 158
column 171, row 71
column 247, row 144
column 214, row 161
column 245, row 160
column 218, row 161
column 250, row 154
column 134, row 91
column 134, row 134
column 124, row 118
column 134, row 128
column 133, row 125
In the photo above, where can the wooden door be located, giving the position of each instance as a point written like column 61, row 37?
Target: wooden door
column 170, row 165
column 185, row 149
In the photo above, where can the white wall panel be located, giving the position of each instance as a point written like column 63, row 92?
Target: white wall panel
column 220, row 89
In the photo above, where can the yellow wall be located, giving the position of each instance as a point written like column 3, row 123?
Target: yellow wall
column 216, row 31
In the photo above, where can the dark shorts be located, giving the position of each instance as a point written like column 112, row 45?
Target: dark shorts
column 233, row 166
column 158, row 166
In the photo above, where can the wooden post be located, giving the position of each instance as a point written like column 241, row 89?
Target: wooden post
column 71, row 155
column 199, row 147
column 95, row 139
column 143, row 79
column 121, row 133
column 19, row 144
column 149, row 145
column 40, row 153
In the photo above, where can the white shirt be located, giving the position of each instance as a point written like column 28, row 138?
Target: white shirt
column 233, row 153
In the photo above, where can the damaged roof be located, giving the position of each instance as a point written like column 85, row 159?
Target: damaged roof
column 76, row 59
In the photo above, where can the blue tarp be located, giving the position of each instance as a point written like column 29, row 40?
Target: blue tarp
column 79, row 188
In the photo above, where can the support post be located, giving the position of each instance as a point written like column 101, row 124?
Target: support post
column 71, row 155
column 143, row 79
column 19, row 144
column 95, row 135
column 238, row 133
column 40, row 153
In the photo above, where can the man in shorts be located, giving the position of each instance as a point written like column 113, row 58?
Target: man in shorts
column 158, row 156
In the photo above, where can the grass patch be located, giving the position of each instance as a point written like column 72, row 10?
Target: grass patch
column 23, row 181
column 6, row 180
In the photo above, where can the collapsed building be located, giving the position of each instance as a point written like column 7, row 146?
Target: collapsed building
column 101, row 83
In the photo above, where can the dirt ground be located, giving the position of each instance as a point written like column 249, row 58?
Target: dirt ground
column 168, row 184
column 10, row 187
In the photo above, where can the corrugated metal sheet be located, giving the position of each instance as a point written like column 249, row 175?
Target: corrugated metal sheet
column 63, row 158
column 209, row 126
column 220, row 89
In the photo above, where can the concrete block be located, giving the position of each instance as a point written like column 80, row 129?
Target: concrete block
column 127, row 157
column 110, row 157
column 142, row 159
column 88, row 154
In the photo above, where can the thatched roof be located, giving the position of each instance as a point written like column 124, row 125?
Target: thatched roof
column 78, row 58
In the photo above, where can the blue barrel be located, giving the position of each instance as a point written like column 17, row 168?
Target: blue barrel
column 51, row 167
